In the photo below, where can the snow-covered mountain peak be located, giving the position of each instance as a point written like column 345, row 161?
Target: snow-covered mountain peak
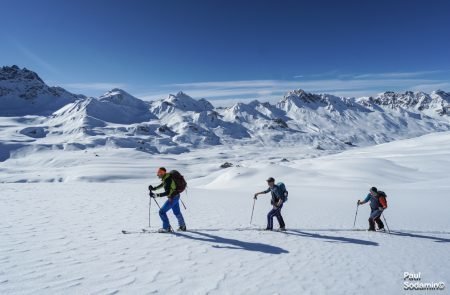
column 22, row 92
column 243, row 112
column 241, row 107
column 123, row 98
column 181, row 102
column 300, row 95
column 255, row 103
column 180, row 95
column 299, row 99
column 14, row 73
column 442, row 94
column 393, row 99
column 438, row 102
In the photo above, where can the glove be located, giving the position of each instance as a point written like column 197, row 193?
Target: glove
column 255, row 197
column 359, row 202
column 150, row 187
column 152, row 195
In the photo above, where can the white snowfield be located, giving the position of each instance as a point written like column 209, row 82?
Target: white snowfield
column 62, row 212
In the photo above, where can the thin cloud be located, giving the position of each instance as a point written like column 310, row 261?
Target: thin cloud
column 398, row 75
column 104, row 86
column 226, row 84
column 431, row 87
column 343, row 85
column 325, row 74
column 264, row 87
column 36, row 59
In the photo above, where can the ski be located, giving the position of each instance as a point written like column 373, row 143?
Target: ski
column 127, row 232
column 142, row 231
column 377, row 231
column 145, row 231
column 149, row 231
column 262, row 229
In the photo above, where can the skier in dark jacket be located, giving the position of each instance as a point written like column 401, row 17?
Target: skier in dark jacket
column 277, row 202
column 173, row 198
column 377, row 205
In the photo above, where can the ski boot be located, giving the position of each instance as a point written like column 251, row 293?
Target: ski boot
column 164, row 230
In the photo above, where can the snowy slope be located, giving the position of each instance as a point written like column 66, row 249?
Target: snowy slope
column 64, row 238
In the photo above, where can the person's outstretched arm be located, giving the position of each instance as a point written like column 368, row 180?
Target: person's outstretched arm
column 263, row 192
column 365, row 200
column 154, row 188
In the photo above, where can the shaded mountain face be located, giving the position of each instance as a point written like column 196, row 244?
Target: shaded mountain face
column 178, row 123
column 436, row 103
column 22, row 92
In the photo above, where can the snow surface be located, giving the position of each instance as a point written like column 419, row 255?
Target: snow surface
column 61, row 227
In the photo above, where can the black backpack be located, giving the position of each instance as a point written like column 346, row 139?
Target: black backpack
column 284, row 192
column 179, row 180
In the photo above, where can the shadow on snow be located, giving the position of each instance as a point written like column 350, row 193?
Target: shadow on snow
column 421, row 236
column 233, row 244
column 330, row 238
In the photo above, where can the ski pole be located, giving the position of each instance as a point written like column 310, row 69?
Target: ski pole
column 157, row 203
column 251, row 218
column 356, row 214
column 149, row 209
column 386, row 223
column 182, row 200
column 183, row 204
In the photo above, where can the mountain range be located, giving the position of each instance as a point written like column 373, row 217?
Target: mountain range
column 35, row 114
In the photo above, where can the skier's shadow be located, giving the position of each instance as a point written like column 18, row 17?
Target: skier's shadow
column 421, row 236
column 233, row 244
column 331, row 238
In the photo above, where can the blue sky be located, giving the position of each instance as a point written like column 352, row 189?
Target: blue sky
column 230, row 49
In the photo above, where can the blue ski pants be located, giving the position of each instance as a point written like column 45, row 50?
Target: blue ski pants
column 172, row 203
column 275, row 212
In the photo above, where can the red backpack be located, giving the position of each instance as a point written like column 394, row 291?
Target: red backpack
column 382, row 199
